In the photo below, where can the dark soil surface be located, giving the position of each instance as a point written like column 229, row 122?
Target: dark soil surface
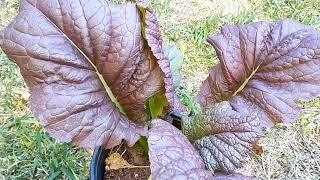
column 128, row 174
column 133, row 157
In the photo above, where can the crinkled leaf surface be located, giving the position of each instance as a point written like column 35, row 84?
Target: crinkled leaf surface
column 223, row 136
column 69, row 52
column 265, row 68
column 155, row 42
column 172, row 156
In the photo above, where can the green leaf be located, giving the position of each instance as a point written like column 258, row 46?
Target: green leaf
column 156, row 105
column 143, row 141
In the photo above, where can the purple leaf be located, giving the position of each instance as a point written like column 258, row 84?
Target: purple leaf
column 265, row 66
column 154, row 40
column 171, row 154
column 227, row 136
column 69, row 53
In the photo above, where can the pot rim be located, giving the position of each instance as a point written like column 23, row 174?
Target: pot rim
column 97, row 164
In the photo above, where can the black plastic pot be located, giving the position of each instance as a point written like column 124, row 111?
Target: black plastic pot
column 97, row 164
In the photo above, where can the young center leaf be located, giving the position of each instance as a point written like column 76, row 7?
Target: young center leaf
column 154, row 40
column 158, row 104
column 71, row 53
column 171, row 154
column 265, row 68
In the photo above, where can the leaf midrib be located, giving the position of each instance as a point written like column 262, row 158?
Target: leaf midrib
column 246, row 81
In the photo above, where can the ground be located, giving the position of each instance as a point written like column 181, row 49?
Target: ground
column 291, row 152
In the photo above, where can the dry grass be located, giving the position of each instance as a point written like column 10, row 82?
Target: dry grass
column 188, row 12
column 8, row 11
column 287, row 154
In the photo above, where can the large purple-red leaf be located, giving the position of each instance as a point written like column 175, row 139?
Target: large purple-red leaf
column 63, row 46
column 110, row 36
column 265, row 66
column 154, row 39
column 171, row 154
